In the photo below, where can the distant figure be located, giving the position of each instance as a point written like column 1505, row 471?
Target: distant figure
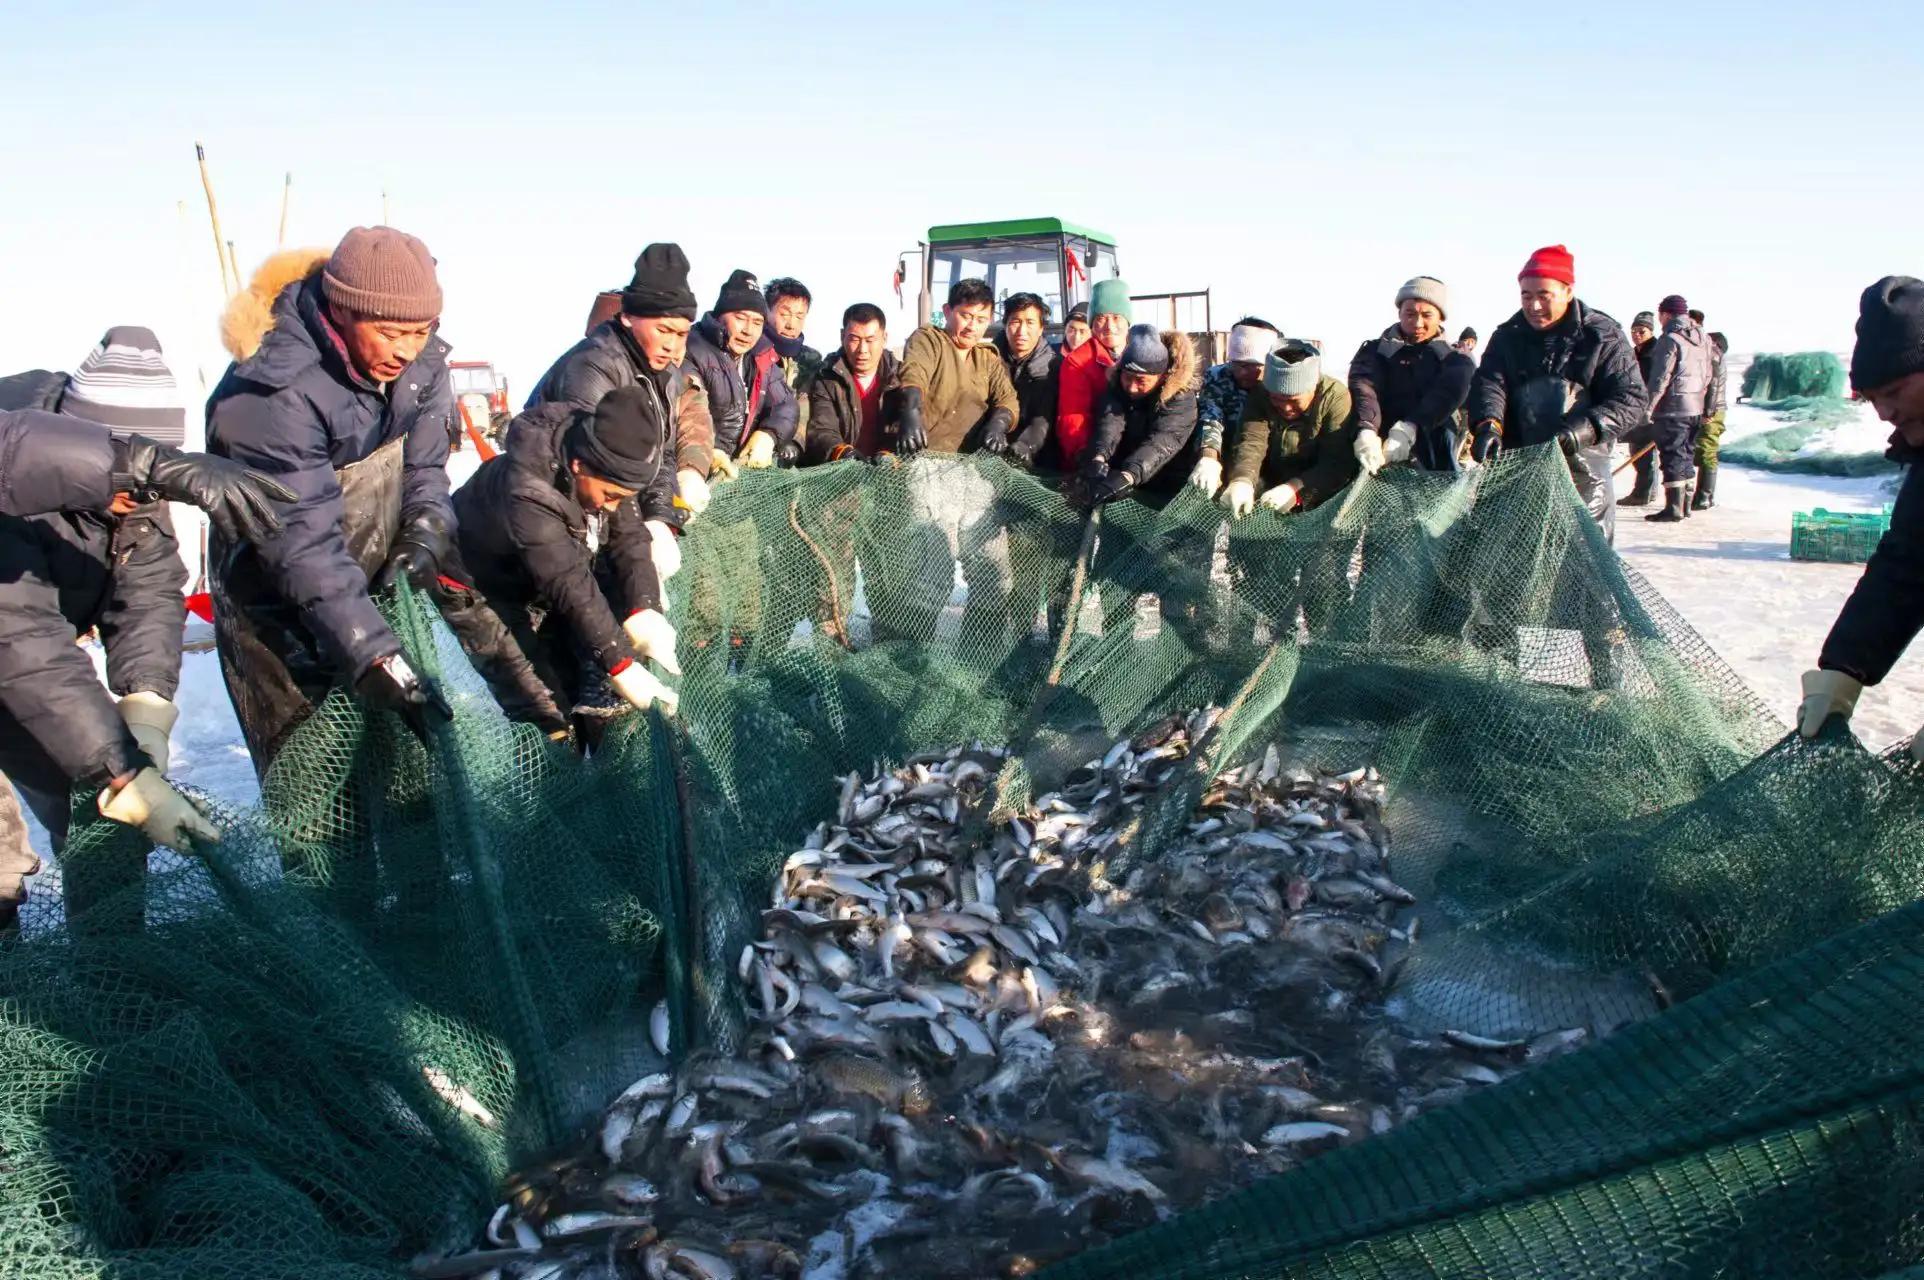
column 1408, row 384
column 1075, row 327
column 1643, row 336
column 1677, row 383
column 1294, row 449
column 1225, row 389
column 1466, row 341
column 1886, row 611
column 1032, row 365
column 1712, row 430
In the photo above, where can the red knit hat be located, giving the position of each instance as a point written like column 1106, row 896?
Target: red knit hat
column 1552, row 262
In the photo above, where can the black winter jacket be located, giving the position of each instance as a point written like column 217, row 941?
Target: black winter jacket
column 296, row 410
column 608, row 359
column 67, row 566
column 1144, row 436
column 1886, row 610
column 729, row 397
column 834, row 414
column 524, row 537
column 1035, row 388
column 1394, row 380
column 1581, row 375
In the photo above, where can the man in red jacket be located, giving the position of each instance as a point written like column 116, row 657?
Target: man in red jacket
column 1085, row 371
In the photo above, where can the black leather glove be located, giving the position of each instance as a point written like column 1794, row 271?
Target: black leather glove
column 995, row 432
column 1024, row 454
column 1487, row 444
column 1116, row 484
column 788, row 455
column 417, row 553
column 238, row 501
column 1571, row 439
column 390, row 684
column 911, row 433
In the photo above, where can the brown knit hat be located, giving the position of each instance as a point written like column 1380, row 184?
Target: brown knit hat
column 383, row 274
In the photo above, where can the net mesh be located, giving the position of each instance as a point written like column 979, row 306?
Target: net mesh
column 316, row 1049
column 1805, row 392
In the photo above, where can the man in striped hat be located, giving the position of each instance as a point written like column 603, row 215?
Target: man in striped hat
column 125, row 385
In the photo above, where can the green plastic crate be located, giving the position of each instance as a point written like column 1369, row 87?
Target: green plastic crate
column 1840, row 537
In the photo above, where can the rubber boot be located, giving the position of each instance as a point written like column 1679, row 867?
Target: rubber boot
column 1706, row 497
column 1646, row 481
column 1675, row 498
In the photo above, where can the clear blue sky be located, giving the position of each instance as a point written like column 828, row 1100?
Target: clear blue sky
column 1301, row 160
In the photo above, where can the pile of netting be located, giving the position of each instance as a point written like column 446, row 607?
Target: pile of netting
column 1806, row 393
column 318, row 1049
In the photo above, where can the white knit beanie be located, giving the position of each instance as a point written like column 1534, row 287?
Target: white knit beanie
column 1251, row 344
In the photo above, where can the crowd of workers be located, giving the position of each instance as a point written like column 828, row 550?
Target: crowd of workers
column 325, row 477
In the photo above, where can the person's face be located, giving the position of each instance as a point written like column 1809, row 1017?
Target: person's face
column 381, row 349
column 1138, row 385
column 862, row 346
column 1023, row 330
column 1640, row 334
column 1111, row 330
column 596, row 494
column 1901, row 403
column 789, row 317
column 1074, row 334
column 740, row 330
column 1545, row 302
column 1246, row 374
column 663, row 339
column 966, row 324
column 1467, row 346
column 1291, row 407
column 1419, row 321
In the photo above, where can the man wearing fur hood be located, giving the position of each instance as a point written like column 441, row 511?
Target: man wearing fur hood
column 1146, row 419
column 340, row 391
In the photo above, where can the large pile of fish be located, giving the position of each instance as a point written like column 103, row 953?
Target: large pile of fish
column 973, row 1053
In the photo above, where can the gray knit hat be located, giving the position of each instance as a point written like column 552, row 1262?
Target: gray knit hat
column 1648, row 319
column 1293, row 368
column 124, row 385
column 1144, row 351
column 379, row 273
column 1426, row 289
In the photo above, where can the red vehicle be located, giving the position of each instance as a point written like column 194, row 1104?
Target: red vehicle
column 482, row 395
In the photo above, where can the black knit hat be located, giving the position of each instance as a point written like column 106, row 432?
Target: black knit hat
column 660, row 286
column 1467, row 334
column 742, row 293
column 622, row 441
column 1890, row 333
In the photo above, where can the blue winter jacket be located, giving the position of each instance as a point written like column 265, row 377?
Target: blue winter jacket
column 729, row 399
column 296, row 410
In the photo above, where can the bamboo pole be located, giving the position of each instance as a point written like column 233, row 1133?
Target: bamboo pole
column 233, row 260
column 384, row 217
column 228, row 287
column 287, row 187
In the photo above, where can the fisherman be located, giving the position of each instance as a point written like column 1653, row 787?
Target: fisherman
column 1641, row 439
column 788, row 304
column 1075, row 327
column 81, row 548
column 1678, row 380
column 1225, row 388
column 339, row 388
column 1295, row 448
column 1558, row 370
column 646, row 339
column 1466, row 341
column 1148, row 418
column 732, row 358
column 1712, row 431
column 1084, row 373
column 956, row 396
column 851, row 401
column 528, row 521
column 1413, row 380
column 1031, row 363
column 1886, row 610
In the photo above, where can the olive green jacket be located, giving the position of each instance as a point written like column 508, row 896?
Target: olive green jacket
column 1317, row 451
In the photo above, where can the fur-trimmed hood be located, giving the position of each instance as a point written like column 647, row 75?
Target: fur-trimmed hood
column 1185, row 368
column 249, row 316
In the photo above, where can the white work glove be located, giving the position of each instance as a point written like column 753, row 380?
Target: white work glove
column 1369, row 451
column 653, row 637
column 721, row 466
column 1240, row 497
column 759, row 455
column 664, row 548
column 163, row 814
column 1281, row 498
column 1826, row 693
column 1399, row 442
column 1208, row 476
column 150, row 718
column 692, row 489
column 641, row 689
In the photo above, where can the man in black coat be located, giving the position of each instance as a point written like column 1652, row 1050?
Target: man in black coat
column 530, row 521
column 851, row 401
column 1146, row 420
column 80, row 549
column 1886, row 611
column 1407, row 385
column 1031, row 361
column 1558, row 371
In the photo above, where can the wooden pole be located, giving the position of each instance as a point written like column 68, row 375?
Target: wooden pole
column 1633, row 460
column 384, row 218
column 287, row 187
column 213, row 214
column 233, row 260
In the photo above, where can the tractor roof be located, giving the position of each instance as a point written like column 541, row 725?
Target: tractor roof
column 958, row 231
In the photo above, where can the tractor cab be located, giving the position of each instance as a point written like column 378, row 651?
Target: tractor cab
column 480, row 398
column 1057, row 260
